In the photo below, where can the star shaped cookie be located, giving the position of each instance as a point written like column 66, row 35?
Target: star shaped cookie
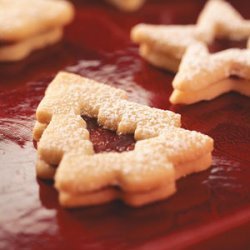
column 164, row 45
column 163, row 151
column 204, row 76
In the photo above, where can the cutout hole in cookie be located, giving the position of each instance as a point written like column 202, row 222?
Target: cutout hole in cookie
column 223, row 44
column 235, row 78
column 6, row 43
column 105, row 140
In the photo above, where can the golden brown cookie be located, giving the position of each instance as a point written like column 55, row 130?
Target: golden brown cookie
column 164, row 45
column 29, row 25
column 23, row 19
column 163, row 151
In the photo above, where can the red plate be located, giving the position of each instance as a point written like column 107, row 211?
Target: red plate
column 210, row 210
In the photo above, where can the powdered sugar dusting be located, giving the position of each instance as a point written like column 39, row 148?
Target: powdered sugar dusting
column 199, row 69
column 160, row 146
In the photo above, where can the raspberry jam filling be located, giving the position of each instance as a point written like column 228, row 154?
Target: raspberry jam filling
column 6, row 43
column 105, row 140
column 235, row 78
column 223, row 44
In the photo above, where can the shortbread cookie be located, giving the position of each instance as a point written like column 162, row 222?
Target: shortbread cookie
column 110, row 194
column 26, row 26
column 23, row 19
column 127, row 5
column 22, row 49
column 204, row 76
column 159, row 44
column 144, row 174
column 105, row 195
column 163, row 152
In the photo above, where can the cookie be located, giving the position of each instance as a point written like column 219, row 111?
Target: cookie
column 163, row 151
column 162, row 44
column 204, row 76
column 127, row 5
column 26, row 26
column 23, row 19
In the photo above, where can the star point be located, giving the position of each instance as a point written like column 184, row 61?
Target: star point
column 204, row 76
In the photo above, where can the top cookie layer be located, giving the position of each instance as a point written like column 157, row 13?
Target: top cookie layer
column 21, row 19
column 70, row 93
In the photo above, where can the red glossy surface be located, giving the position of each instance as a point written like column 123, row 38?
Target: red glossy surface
column 211, row 210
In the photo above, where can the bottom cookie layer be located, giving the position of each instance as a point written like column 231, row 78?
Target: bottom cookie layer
column 22, row 49
column 109, row 194
column 159, row 59
column 184, row 97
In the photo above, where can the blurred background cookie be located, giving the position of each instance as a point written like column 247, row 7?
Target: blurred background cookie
column 29, row 25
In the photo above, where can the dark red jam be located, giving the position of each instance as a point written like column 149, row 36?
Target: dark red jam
column 6, row 43
column 105, row 140
column 223, row 44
